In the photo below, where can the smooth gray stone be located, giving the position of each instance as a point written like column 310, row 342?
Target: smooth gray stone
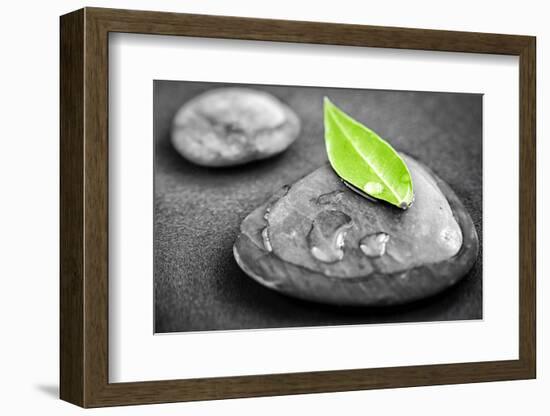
column 232, row 126
column 320, row 241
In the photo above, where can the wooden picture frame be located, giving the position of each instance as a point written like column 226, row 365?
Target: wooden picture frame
column 84, row 207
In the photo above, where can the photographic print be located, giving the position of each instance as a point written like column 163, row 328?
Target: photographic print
column 298, row 206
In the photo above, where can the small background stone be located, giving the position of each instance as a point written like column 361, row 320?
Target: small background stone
column 198, row 285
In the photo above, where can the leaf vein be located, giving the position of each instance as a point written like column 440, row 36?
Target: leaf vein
column 365, row 158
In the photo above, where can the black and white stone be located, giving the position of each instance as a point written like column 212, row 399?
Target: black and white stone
column 320, row 241
column 232, row 126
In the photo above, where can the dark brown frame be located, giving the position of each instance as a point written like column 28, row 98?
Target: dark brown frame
column 84, row 207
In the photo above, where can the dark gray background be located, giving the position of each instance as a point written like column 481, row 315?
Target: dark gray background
column 197, row 284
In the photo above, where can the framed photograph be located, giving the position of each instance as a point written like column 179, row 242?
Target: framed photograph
column 256, row 207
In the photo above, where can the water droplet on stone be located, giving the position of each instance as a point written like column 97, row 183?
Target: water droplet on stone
column 326, row 236
column 451, row 238
column 373, row 188
column 330, row 198
column 374, row 245
column 266, row 241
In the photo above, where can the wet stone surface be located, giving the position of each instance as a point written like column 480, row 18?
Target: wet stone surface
column 329, row 244
column 232, row 126
column 326, row 236
column 374, row 245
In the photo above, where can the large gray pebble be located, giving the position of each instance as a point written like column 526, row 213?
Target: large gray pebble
column 318, row 240
column 232, row 126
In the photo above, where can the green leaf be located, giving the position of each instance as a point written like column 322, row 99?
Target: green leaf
column 366, row 161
